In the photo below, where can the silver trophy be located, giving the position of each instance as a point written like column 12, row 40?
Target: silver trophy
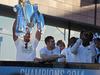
column 28, row 15
column 21, row 23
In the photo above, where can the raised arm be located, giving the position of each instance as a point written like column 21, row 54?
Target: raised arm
column 38, row 35
column 13, row 29
column 75, row 46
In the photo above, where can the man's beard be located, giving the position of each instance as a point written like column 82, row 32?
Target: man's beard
column 85, row 43
column 26, row 40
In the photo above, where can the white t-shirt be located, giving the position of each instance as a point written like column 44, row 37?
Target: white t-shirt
column 84, row 54
column 26, row 54
column 47, row 52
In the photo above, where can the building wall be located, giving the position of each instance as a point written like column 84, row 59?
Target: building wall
column 86, row 2
column 68, row 9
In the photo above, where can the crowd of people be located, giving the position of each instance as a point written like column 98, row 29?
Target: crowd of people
column 79, row 50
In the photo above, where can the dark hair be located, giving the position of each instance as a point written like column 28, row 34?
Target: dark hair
column 89, row 35
column 72, row 41
column 48, row 38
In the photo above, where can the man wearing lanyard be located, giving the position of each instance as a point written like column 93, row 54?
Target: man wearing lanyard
column 26, row 47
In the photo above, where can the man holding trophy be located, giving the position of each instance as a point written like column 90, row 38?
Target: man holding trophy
column 27, row 16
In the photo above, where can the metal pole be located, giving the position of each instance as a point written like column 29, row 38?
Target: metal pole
column 69, row 32
column 95, row 13
column 64, row 34
column 1, row 39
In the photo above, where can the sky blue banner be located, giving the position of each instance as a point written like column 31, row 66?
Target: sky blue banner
column 4, row 70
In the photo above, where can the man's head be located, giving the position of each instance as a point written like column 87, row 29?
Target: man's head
column 27, row 37
column 50, row 42
column 86, row 37
column 61, row 44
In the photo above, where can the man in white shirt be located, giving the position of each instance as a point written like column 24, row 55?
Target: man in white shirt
column 83, row 49
column 26, row 47
column 97, row 49
column 70, row 57
column 50, row 52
